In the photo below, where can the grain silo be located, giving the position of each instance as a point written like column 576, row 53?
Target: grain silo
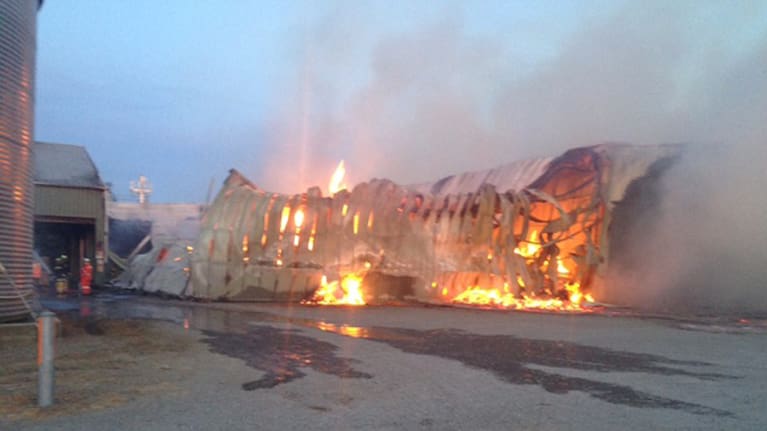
column 18, row 29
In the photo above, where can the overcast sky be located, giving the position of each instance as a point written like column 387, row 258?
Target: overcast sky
column 182, row 91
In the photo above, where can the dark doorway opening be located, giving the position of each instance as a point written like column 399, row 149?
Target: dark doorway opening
column 74, row 238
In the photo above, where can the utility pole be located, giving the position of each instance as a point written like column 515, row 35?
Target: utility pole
column 142, row 188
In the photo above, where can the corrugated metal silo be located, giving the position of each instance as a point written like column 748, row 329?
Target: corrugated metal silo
column 18, row 28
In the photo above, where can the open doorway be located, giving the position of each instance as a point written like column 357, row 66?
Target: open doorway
column 73, row 238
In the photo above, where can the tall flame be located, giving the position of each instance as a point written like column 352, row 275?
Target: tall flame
column 284, row 218
column 356, row 222
column 298, row 221
column 310, row 245
column 337, row 179
column 264, row 236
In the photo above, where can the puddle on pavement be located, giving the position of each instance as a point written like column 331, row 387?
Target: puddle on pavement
column 283, row 353
column 510, row 357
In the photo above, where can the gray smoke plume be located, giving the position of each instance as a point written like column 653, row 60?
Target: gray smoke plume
column 439, row 99
column 698, row 240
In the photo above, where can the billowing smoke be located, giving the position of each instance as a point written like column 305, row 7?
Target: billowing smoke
column 441, row 98
column 692, row 238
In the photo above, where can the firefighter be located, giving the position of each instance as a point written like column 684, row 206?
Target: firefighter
column 37, row 273
column 86, row 276
column 60, row 270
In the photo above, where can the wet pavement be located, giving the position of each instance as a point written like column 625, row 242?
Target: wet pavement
column 281, row 353
column 655, row 373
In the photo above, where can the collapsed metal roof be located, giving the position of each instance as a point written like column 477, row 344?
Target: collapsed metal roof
column 511, row 176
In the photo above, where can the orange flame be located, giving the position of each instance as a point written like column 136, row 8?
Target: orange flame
column 346, row 292
column 298, row 221
column 531, row 247
column 266, row 228
column 356, row 222
column 337, row 179
column 245, row 248
column 483, row 296
column 476, row 295
column 573, row 298
column 310, row 245
column 284, row 218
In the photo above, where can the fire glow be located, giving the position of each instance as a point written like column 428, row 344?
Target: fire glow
column 547, row 281
column 284, row 217
column 337, row 179
column 312, row 234
column 298, row 221
column 477, row 295
column 346, row 291
column 571, row 298
column 520, row 236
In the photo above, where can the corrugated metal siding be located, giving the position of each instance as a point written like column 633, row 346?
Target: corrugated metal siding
column 18, row 22
column 69, row 202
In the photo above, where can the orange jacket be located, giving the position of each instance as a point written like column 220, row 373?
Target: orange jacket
column 86, row 274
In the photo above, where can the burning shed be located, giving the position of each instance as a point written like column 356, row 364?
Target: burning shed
column 531, row 234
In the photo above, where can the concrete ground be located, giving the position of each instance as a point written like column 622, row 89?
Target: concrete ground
column 156, row 364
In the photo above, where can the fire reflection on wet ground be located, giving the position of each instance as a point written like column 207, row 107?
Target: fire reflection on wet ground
column 280, row 353
column 282, row 346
